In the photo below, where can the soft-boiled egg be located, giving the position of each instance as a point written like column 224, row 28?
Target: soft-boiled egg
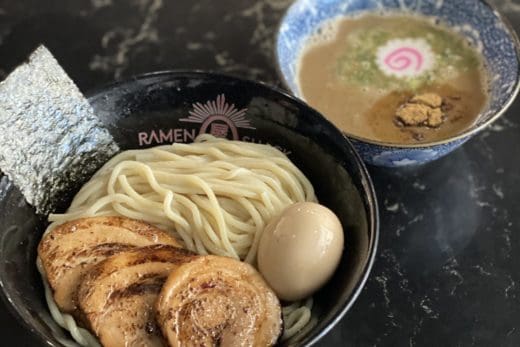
column 300, row 249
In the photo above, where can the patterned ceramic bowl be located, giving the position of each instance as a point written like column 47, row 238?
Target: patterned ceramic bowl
column 476, row 20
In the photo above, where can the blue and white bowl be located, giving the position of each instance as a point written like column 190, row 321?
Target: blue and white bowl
column 476, row 20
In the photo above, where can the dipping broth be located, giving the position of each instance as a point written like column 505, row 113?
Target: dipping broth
column 393, row 78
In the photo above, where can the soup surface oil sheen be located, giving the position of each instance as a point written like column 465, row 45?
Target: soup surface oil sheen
column 374, row 67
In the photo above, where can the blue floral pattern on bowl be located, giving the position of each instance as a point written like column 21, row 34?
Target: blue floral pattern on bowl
column 397, row 157
column 474, row 19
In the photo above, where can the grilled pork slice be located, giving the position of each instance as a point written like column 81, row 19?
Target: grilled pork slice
column 71, row 249
column 117, row 296
column 218, row 301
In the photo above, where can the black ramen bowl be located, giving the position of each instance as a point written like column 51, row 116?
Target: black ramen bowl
column 167, row 107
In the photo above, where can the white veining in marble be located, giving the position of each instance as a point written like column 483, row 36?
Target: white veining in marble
column 127, row 39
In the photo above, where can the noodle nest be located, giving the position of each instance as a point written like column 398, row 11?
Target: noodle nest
column 215, row 196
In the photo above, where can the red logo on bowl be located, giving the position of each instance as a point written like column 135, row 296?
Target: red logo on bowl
column 219, row 118
column 216, row 117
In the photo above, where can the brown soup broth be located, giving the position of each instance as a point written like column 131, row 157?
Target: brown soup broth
column 353, row 83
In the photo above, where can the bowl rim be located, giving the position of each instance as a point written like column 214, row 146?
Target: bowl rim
column 423, row 145
column 372, row 215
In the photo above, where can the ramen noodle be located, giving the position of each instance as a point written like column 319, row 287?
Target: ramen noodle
column 215, row 196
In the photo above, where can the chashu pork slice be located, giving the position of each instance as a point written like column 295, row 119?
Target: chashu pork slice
column 72, row 248
column 117, row 296
column 218, row 301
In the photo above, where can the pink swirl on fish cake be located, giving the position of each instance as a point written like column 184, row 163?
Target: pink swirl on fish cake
column 405, row 58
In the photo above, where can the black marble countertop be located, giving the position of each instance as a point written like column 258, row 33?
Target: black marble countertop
column 447, row 271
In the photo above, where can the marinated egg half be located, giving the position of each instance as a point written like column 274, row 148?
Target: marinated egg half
column 300, row 249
